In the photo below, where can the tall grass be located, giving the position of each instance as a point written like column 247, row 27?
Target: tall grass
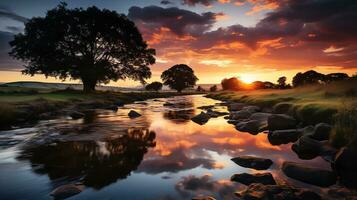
column 345, row 129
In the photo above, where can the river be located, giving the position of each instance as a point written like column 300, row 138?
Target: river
column 160, row 155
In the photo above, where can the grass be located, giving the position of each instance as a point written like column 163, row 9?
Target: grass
column 333, row 103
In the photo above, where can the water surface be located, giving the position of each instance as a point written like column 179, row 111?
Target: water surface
column 161, row 155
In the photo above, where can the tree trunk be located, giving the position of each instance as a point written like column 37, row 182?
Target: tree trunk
column 88, row 85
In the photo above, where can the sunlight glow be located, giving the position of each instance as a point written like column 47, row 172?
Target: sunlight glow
column 247, row 79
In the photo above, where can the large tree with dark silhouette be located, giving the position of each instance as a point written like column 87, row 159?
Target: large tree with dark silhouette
column 231, row 84
column 307, row 78
column 155, row 86
column 93, row 45
column 179, row 77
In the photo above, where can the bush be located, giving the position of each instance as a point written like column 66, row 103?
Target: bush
column 345, row 129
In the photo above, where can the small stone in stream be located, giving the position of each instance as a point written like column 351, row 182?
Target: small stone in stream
column 310, row 175
column 260, row 116
column 66, row 191
column 253, row 162
column 286, row 136
column 201, row 118
column 322, row 131
column 76, row 115
column 247, row 179
column 133, row 114
column 203, row 198
column 236, row 106
column 251, row 126
column 242, row 114
column 206, row 107
column 119, row 103
column 281, row 122
column 257, row 191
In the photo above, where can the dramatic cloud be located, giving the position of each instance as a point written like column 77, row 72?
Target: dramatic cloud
column 7, row 63
column 179, row 21
column 194, row 2
column 4, row 12
column 165, row 2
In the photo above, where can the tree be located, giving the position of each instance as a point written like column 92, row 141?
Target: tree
column 282, row 82
column 231, row 84
column 179, row 77
column 307, row 78
column 213, row 88
column 93, row 45
column 336, row 77
column 155, row 86
column 200, row 89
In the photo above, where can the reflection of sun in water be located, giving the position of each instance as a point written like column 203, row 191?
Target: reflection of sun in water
column 247, row 78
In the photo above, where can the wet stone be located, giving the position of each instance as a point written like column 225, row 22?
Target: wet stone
column 253, row 162
column 247, row 179
column 66, row 191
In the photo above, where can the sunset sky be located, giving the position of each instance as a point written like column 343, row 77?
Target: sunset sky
column 252, row 39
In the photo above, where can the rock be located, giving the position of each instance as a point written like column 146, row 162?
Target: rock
column 119, row 103
column 201, row 118
column 238, row 115
column 346, row 166
column 203, row 198
column 342, row 194
column 286, row 136
column 251, row 109
column 66, row 191
column 252, row 126
column 283, row 108
column 247, row 179
column 213, row 113
column 236, row 106
column 314, row 176
column 206, row 107
column 307, row 148
column 133, row 114
column 253, row 162
column 281, row 122
column 322, row 132
column 257, row 191
column 168, row 104
column 260, row 116
column 112, row 107
column 76, row 115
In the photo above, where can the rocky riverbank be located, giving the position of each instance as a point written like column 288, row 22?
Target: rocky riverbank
column 308, row 142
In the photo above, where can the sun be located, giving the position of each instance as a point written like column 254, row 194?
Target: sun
column 247, row 79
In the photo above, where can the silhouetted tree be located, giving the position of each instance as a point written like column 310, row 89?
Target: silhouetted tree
column 258, row 85
column 231, row 84
column 200, row 89
column 269, row 85
column 308, row 77
column 179, row 77
column 155, row 86
column 282, row 82
column 93, row 45
column 336, row 77
column 213, row 88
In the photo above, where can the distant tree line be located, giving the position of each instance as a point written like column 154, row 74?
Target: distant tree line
column 300, row 79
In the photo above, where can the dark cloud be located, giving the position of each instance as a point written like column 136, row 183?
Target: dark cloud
column 194, row 2
column 6, row 62
column 179, row 21
column 5, row 12
column 164, row 2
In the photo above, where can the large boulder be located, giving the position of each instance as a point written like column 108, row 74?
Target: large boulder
column 252, row 126
column 133, row 114
column 236, row 106
column 322, row 131
column 253, row 162
column 286, row 136
column 345, row 165
column 283, row 108
column 201, row 118
column 307, row 148
column 247, row 179
column 281, row 122
column 66, row 191
column 257, row 191
column 310, row 175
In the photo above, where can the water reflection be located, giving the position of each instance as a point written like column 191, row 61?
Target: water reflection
column 179, row 116
column 96, row 164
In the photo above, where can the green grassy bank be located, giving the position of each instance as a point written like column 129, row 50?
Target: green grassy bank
column 334, row 103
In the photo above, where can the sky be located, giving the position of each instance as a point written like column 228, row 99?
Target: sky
column 250, row 39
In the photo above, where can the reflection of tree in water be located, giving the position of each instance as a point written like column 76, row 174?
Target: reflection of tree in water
column 181, row 111
column 98, row 164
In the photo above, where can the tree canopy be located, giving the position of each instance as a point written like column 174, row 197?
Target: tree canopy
column 179, row 77
column 93, row 45
column 231, row 83
column 155, row 86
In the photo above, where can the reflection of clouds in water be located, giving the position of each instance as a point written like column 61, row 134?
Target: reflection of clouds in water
column 178, row 160
column 205, row 186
